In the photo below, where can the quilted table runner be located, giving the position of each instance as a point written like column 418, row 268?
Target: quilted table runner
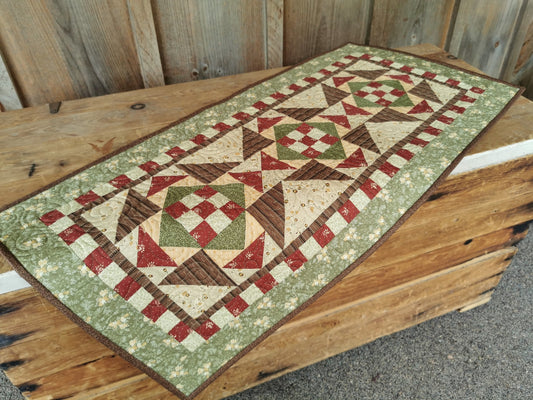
column 186, row 249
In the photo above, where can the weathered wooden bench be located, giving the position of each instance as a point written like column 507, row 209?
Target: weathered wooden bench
column 448, row 256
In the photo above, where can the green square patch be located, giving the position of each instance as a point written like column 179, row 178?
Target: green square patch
column 308, row 140
column 209, row 216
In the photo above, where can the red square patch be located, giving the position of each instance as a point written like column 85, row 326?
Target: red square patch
column 406, row 154
column 87, row 198
column 237, row 306
column 433, row 131
column 154, row 310
column 221, row 126
column 295, row 260
column 71, row 234
column 323, row 236
column 207, row 329
column 294, row 87
column 266, row 283
column 51, row 217
column 97, row 261
column 120, row 181
column 127, row 287
column 175, row 151
column 260, row 105
column 389, row 169
column 149, row 166
column 241, row 115
column 370, row 188
column 348, row 211
column 198, row 139
column 180, row 331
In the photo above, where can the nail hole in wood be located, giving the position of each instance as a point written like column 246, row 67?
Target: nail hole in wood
column 137, row 106
column 468, row 241
column 451, row 57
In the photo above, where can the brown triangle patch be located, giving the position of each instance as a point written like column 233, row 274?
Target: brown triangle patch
column 315, row 170
column 136, row 210
column 361, row 137
column 389, row 115
column 301, row 114
column 207, row 173
column 369, row 74
column 424, row 91
column 253, row 142
column 200, row 269
column 269, row 211
column 333, row 95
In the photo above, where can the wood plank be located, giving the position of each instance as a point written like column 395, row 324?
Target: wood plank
column 315, row 26
column 274, row 37
column 9, row 98
column 209, row 38
column 522, row 47
column 68, row 149
column 73, row 49
column 360, row 323
column 519, row 63
column 482, row 36
column 143, row 28
column 410, row 22
column 356, row 323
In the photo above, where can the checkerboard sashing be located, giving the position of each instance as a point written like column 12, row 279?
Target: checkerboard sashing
column 187, row 247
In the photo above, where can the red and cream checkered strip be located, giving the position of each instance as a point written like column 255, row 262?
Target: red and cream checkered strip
column 314, row 130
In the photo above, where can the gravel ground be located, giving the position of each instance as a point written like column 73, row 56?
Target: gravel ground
column 486, row 353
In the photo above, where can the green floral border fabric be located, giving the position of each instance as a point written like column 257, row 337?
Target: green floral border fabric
column 58, row 267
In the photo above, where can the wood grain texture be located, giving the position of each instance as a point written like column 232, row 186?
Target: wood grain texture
column 99, row 126
column 209, row 38
column 403, row 23
column 316, row 26
column 82, row 367
column 9, row 98
column 519, row 63
column 483, row 35
column 143, row 28
column 274, row 36
column 63, row 50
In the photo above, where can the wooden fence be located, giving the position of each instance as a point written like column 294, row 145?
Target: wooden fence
column 53, row 50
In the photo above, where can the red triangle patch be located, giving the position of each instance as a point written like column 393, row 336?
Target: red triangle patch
column 341, row 79
column 353, row 110
column 404, row 78
column 270, row 163
column 356, row 160
column 150, row 254
column 341, row 120
column 251, row 257
column 265, row 123
column 253, row 179
column 420, row 108
column 161, row 182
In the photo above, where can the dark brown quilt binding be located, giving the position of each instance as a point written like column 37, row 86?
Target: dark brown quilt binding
column 124, row 354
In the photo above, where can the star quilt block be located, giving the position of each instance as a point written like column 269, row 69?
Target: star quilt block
column 185, row 250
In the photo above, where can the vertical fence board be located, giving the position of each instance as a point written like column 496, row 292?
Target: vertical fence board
column 316, row 26
column 143, row 28
column 519, row 63
column 9, row 98
column 64, row 49
column 404, row 23
column 274, row 37
column 209, row 38
column 483, row 33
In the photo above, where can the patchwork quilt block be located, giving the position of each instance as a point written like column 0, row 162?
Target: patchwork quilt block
column 181, row 251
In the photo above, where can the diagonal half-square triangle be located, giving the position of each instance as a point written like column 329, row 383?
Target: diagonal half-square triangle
column 199, row 270
column 361, row 137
